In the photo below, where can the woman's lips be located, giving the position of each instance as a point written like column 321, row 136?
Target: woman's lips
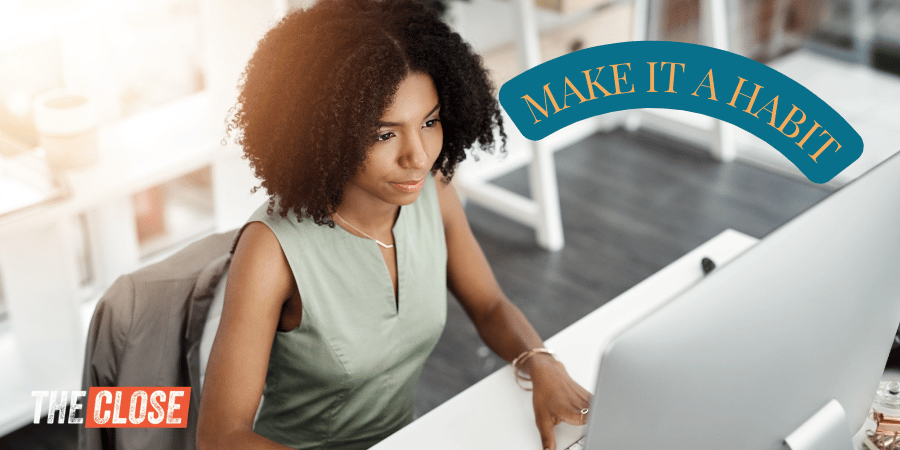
column 410, row 186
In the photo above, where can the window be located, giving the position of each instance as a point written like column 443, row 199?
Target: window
column 156, row 52
column 174, row 212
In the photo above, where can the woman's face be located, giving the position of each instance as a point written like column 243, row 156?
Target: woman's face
column 410, row 138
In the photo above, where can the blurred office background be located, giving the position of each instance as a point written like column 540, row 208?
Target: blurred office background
column 152, row 170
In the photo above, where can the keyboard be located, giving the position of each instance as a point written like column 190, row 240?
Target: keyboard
column 578, row 445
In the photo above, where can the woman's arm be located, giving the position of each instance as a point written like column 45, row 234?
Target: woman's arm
column 502, row 326
column 259, row 282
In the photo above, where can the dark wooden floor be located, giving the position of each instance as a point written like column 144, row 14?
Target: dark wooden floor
column 631, row 204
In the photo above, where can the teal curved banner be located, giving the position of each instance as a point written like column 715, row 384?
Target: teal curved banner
column 689, row 77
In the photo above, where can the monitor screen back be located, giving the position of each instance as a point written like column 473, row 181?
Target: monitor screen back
column 745, row 357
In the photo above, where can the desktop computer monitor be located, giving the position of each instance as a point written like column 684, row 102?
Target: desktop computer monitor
column 756, row 350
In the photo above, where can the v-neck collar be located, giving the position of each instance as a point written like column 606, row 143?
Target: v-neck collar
column 399, row 255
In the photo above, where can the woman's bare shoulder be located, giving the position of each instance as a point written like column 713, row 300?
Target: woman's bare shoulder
column 259, row 268
column 259, row 282
column 452, row 213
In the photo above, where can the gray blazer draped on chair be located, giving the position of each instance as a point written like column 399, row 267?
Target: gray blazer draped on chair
column 146, row 331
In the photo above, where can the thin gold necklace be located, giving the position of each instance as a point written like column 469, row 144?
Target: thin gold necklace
column 363, row 232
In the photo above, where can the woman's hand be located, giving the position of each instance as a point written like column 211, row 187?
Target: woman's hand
column 556, row 397
column 502, row 325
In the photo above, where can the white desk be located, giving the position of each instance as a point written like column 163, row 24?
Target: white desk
column 496, row 414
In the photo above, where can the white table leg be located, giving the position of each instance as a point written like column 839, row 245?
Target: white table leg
column 545, row 192
column 114, row 241
column 542, row 170
column 715, row 15
column 41, row 291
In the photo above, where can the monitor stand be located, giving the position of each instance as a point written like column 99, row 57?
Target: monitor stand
column 827, row 429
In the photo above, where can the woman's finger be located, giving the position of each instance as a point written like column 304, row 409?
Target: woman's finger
column 545, row 424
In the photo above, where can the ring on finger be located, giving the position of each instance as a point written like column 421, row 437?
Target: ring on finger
column 584, row 412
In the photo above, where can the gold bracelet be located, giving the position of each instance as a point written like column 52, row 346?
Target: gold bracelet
column 521, row 375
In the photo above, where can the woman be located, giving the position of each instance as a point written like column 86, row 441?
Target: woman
column 354, row 114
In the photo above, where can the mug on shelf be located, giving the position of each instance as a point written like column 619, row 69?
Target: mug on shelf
column 67, row 122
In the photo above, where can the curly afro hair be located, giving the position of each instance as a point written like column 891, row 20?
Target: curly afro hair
column 312, row 95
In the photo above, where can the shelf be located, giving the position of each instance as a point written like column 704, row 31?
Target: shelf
column 559, row 34
column 136, row 153
column 567, row 34
column 26, row 182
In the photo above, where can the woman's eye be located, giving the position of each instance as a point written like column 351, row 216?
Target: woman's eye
column 385, row 136
column 432, row 123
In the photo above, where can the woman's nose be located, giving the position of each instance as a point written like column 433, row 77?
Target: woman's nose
column 414, row 155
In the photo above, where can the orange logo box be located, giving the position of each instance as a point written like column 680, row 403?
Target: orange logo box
column 137, row 407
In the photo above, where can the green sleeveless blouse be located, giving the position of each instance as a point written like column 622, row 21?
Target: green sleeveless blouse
column 346, row 377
